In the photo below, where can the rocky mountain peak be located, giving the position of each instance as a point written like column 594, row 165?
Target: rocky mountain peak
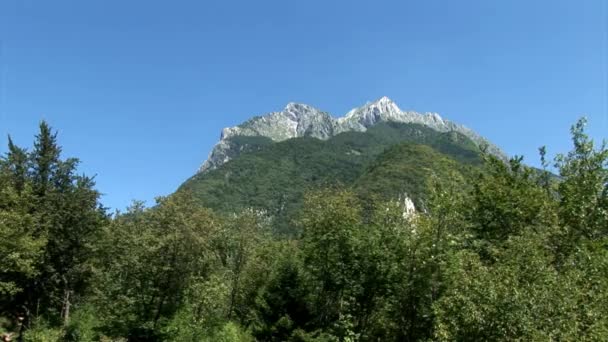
column 383, row 109
column 299, row 109
column 385, row 105
column 299, row 120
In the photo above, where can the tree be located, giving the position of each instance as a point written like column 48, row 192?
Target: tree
column 583, row 190
column 20, row 250
column 422, row 244
column 146, row 260
column 50, row 218
column 15, row 166
column 507, row 281
column 283, row 304
column 44, row 159
column 331, row 222
column 70, row 216
column 507, row 200
column 240, row 246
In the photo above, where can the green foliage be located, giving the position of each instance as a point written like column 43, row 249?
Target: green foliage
column 203, row 312
column 230, row 332
column 523, row 296
column 49, row 219
column 407, row 169
column 275, row 176
column 283, row 304
column 584, row 190
column 331, row 224
column 43, row 332
column 508, row 200
column 84, row 325
column 496, row 250
column 146, row 261
column 20, row 249
column 540, row 273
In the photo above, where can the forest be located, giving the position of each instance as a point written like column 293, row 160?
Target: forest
column 508, row 253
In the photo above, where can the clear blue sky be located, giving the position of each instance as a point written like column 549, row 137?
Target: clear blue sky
column 139, row 90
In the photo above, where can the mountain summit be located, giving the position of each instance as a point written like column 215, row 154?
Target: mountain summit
column 301, row 120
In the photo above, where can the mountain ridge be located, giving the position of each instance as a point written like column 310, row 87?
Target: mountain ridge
column 302, row 120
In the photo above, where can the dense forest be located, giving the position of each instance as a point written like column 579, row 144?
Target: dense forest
column 497, row 250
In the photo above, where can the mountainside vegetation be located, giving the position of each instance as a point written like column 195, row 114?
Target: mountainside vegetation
column 307, row 240
column 388, row 160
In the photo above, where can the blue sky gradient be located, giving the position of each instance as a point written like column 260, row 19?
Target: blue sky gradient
column 140, row 90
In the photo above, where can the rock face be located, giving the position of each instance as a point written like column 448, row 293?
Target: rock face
column 300, row 120
column 409, row 210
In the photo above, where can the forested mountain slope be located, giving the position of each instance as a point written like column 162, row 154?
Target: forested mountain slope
column 388, row 160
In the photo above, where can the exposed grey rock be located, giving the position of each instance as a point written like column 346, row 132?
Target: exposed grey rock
column 409, row 209
column 296, row 120
column 299, row 120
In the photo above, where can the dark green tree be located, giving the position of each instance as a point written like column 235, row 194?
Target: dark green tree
column 331, row 222
column 53, row 215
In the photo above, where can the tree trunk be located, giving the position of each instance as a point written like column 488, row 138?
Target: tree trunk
column 65, row 308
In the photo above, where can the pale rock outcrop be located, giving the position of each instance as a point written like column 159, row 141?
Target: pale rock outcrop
column 299, row 120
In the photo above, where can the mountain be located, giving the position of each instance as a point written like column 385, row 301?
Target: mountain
column 388, row 160
column 300, row 120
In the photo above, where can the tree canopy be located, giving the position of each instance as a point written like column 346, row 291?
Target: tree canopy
column 496, row 250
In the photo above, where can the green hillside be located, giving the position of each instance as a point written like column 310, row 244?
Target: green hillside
column 405, row 169
column 386, row 161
